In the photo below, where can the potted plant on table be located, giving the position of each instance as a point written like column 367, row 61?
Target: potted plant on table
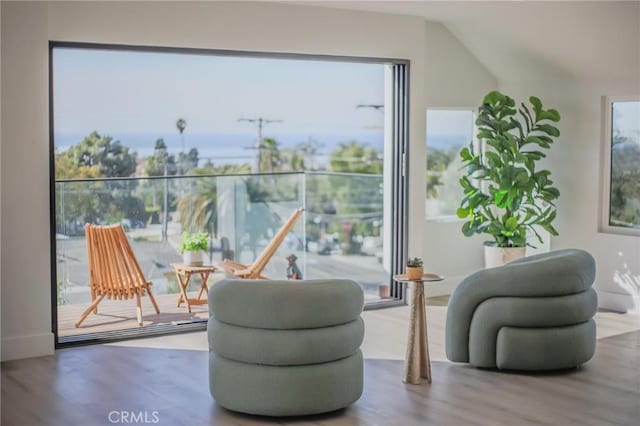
column 414, row 268
column 504, row 194
column 192, row 247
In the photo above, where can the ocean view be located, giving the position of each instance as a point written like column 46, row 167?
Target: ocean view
column 227, row 147
column 237, row 147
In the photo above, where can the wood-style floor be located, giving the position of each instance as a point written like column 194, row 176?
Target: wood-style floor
column 82, row 386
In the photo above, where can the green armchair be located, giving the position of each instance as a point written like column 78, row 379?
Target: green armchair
column 532, row 314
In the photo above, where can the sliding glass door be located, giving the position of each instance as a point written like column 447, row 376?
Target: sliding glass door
column 228, row 144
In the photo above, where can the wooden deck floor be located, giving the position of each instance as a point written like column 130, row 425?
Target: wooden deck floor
column 121, row 314
column 116, row 315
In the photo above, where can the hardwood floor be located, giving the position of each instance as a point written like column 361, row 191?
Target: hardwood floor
column 82, row 386
column 166, row 378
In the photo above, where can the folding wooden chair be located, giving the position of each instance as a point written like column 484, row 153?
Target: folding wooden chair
column 113, row 269
column 254, row 271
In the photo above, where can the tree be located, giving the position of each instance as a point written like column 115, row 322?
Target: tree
column 272, row 158
column 310, row 149
column 189, row 160
column 181, row 125
column 112, row 158
column 302, row 156
column 353, row 157
column 155, row 165
column 438, row 161
column 358, row 199
column 66, row 168
column 76, row 202
column 98, row 156
column 625, row 181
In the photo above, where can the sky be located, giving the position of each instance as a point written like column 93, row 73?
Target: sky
column 140, row 92
column 447, row 128
column 626, row 116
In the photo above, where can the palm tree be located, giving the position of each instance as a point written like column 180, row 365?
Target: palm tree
column 181, row 124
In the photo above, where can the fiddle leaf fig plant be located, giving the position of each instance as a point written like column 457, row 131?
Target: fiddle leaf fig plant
column 504, row 194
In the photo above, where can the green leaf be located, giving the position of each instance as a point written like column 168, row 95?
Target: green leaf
column 501, row 198
column 465, row 154
column 537, row 106
column 467, row 230
column 535, row 155
column 550, row 114
column 537, row 140
column 526, row 114
column 493, row 98
column 553, row 191
column 462, row 213
column 484, row 133
column 550, row 229
column 512, row 223
column 493, row 159
column 548, row 129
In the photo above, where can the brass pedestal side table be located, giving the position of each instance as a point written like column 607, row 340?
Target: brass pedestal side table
column 184, row 273
column 417, row 365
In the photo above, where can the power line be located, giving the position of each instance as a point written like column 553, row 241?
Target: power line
column 259, row 122
column 377, row 107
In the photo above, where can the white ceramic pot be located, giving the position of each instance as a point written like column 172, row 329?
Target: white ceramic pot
column 498, row 256
column 193, row 258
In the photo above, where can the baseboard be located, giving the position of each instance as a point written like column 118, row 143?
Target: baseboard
column 619, row 302
column 27, row 346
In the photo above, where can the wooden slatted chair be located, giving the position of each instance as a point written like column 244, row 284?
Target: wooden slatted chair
column 254, row 271
column 114, row 271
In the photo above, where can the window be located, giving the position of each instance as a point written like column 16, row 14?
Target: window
column 621, row 207
column 448, row 131
column 166, row 141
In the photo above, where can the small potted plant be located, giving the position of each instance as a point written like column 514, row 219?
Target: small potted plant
column 192, row 247
column 414, row 268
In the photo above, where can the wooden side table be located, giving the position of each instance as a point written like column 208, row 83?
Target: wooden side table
column 184, row 273
column 417, row 365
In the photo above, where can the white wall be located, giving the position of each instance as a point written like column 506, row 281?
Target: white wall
column 26, row 314
column 454, row 79
column 26, row 30
column 450, row 76
column 575, row 162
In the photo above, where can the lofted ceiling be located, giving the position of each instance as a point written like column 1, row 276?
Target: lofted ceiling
column 517, row 40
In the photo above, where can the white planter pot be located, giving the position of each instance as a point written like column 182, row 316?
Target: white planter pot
column 498, row 256
column 193, row 258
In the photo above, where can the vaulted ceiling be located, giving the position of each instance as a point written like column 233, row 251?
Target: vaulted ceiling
column 531, row 40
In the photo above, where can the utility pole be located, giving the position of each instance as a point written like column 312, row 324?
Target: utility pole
column 259, row 122
column 165, row 216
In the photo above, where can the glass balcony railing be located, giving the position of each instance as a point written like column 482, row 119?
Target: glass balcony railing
column 339, row 234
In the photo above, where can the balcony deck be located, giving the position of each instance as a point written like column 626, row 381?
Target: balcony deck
column 121, row 314
column 114, row 315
